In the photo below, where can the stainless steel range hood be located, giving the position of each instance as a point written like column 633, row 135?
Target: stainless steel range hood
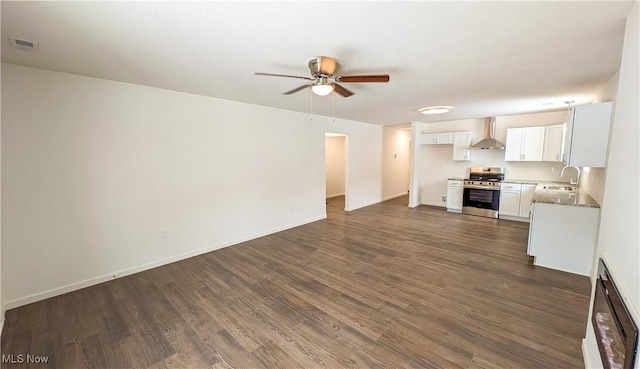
column 488, row 142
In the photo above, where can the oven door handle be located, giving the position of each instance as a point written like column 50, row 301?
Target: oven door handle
column 482, row 188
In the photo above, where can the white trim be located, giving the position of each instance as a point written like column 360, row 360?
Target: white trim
column 395, row 196
column 122, row 273
column 585, row 354
column 363, row 205
column 510, row 217
column 590, row 351
column 438, row 204
column 335, row 195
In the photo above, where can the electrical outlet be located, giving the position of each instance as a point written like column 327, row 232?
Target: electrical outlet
column 444, row 199
column 164, row 235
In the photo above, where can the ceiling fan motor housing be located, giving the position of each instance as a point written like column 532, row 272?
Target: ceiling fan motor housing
column 322, row 66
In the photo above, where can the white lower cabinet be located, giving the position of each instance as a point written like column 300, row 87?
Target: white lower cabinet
column 515, row 200
column 509, row 199
column 454, row 195
column 563, row 237
column 526, row 197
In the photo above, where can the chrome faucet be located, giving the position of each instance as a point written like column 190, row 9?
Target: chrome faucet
column 577, row 182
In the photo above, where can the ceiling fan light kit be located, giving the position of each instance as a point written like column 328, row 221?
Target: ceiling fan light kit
column 435, row 109
column 322, row 89
column 322, row 80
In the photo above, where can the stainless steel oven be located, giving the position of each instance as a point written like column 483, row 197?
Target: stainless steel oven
column 481, row 194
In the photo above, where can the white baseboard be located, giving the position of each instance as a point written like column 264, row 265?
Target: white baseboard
column 394, row 196
column 335, row 195
column 590, row 352
column 363, row 205
column 439, row 204
column 517, row 219
column 585, row 355
column 125, row 272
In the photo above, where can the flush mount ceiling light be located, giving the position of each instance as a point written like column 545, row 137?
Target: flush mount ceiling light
column 435, row 109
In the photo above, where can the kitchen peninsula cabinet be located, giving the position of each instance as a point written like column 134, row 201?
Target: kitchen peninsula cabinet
column 563, row 237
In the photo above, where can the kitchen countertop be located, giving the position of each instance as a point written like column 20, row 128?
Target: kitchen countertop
column 457, row 178
column 520, row 181
column 558, row 197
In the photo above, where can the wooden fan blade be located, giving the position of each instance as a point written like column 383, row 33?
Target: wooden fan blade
column 295, row 90
column 282, row 75
column 378, row 78
column 341, row 90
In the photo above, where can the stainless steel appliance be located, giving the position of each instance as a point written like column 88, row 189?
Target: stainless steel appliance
column 481, row 194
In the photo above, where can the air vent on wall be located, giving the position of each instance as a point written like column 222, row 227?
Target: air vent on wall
column 22, row 44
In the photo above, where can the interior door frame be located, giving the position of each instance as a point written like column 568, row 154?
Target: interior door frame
column 346, row 165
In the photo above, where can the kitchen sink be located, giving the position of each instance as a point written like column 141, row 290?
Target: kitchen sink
column 558, row 188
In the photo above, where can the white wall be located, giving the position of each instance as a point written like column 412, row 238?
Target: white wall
column 94, row 170
column 435, row 163
column 1, row 285
column 335, row 165
column 364, row 160
column 619, row 237
column 395, row 161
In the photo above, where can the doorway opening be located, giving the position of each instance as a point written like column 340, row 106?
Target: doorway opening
column 336, row 153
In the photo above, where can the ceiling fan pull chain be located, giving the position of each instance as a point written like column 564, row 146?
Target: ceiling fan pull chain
column 333, row 105
column 311, row 104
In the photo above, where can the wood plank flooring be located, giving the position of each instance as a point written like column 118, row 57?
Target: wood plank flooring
column 381, row 287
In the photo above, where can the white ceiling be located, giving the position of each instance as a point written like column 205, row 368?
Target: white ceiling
column 483, row 58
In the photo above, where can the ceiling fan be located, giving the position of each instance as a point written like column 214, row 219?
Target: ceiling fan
column 322, row 80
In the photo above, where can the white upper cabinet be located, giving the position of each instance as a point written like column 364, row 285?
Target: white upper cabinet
column 587, row 135
column 553, row 142
column 440, row 138
column 513, row 147
column 524, row 144
column 429, row 139
column 445, row 137
column 461, row 143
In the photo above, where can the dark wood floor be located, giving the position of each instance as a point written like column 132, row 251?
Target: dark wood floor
column 381, row 287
